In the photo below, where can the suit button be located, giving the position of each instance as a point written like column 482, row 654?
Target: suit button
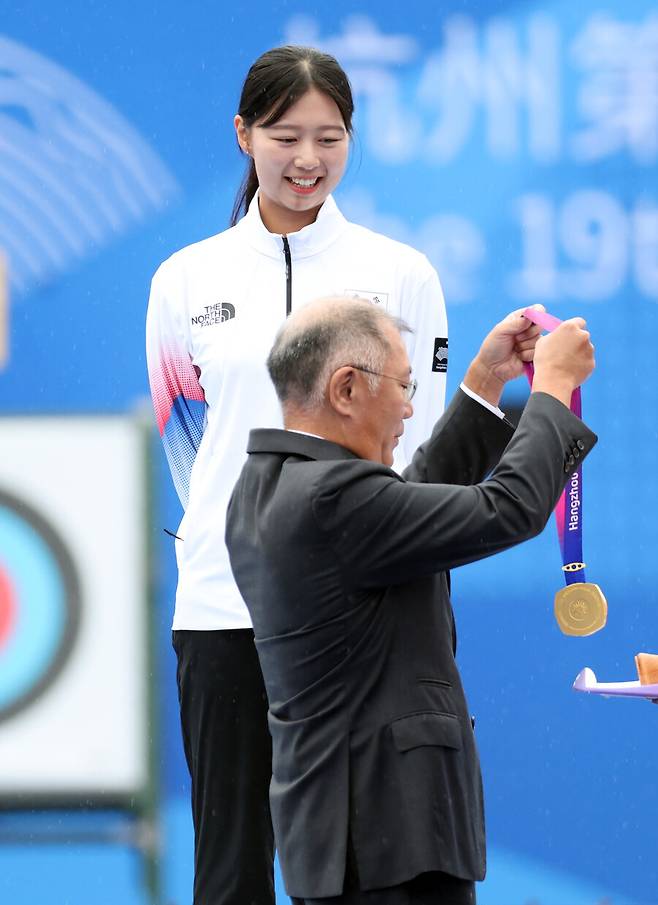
column 570, row 460
column 566, row 469
column 580, row 444
column 576, row 452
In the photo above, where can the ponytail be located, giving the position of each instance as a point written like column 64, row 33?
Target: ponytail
column 246, row 192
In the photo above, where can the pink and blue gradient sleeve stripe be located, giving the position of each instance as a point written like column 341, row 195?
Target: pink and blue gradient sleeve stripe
column 180, row 411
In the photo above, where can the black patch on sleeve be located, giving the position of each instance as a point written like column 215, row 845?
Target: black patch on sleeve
column 440, row 358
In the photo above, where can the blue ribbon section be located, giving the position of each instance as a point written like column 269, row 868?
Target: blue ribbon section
column 569, row 509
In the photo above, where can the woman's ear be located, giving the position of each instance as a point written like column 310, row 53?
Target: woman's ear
column 242, row 133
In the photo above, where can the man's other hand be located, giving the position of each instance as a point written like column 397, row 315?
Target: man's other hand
column 563, row 360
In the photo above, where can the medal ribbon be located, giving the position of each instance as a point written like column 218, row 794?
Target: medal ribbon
column 569, row 509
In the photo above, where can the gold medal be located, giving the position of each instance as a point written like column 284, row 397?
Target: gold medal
column 581, row 608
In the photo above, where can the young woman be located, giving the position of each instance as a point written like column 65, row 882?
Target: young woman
column 214, row 310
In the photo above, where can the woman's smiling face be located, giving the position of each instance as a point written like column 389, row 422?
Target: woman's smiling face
column 299, row 160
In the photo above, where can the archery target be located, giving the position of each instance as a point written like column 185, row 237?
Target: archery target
column 74, row 670
column 39, row 604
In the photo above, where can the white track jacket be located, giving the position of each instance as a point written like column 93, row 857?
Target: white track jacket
column 214, row 310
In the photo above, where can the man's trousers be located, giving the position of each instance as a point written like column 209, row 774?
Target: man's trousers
column 433, row 888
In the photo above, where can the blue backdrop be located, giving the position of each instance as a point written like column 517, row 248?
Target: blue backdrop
column 516, row 143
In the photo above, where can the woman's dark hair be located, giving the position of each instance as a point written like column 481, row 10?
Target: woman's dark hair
column 276, row 81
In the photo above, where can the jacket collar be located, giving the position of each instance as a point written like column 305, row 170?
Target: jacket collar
column 308, row 241
column 271, row 440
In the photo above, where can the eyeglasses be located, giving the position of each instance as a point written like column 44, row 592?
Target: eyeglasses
column 409, row 387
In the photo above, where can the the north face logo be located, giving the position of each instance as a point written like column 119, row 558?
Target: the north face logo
column 214, row 314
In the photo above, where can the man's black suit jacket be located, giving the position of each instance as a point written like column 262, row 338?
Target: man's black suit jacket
column 344, row 566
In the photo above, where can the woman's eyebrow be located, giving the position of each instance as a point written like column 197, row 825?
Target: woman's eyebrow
column 294, row 126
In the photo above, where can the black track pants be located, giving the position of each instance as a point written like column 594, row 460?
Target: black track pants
column 229, row 753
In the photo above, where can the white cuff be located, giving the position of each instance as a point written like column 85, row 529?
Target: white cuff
column 492, row 408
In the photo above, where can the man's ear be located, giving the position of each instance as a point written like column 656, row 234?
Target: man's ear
column 242, row 133
column 341, row 391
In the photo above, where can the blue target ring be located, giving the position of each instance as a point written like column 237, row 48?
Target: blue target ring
column 39, row 604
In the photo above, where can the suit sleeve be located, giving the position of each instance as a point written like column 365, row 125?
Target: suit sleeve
column 464, row 446
column 178, row 398
column 385, row 531
column 425, row 313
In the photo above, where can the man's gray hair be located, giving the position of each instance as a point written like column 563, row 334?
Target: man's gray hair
column 322, row 337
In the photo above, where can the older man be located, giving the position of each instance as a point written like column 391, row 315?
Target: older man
column 376, row 791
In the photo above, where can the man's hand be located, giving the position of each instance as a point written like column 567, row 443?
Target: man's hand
column 502, row 355
column 563, row 360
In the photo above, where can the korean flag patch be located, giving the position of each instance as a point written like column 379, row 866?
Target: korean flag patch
column 377, row 298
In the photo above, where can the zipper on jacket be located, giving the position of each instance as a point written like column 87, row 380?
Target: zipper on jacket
column 286, row 253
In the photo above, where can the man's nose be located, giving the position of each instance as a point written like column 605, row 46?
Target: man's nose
column 408, row 410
